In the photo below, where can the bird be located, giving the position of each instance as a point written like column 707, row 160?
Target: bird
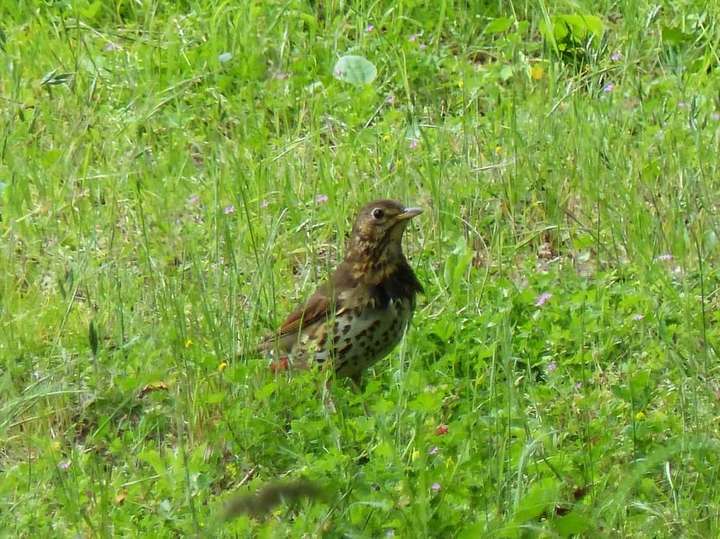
column 361, row 312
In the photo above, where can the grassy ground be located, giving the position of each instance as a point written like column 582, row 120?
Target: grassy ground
column 175, row 176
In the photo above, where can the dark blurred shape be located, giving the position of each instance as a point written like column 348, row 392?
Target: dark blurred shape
column 262, row 502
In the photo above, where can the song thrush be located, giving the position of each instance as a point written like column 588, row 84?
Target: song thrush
column 362, row 311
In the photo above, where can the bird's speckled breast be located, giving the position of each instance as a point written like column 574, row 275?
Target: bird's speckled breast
column 359, row 337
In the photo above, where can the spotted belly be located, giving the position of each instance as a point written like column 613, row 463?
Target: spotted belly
column 357, row 338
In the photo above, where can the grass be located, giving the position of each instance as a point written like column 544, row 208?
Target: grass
column 174, row 177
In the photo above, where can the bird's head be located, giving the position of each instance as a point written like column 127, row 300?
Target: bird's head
column 376, row 238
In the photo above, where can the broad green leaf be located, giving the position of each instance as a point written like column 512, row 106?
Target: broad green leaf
column 499, row 25
column 572, row 27
column 574, row 523
column 541, row 496
column 384, row 451
column 356, row 70
column 264, row 392
column 583, row 24
column 472, row 531
column 153, row 458
column 506, row 72
column 382, row 406
column 426, row 402
column 91, row 10
column 675, row 36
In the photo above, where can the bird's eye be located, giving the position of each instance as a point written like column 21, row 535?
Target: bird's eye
column 378, row 213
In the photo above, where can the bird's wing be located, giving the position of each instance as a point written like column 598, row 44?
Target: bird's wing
column 316, row 308
column 325, row 303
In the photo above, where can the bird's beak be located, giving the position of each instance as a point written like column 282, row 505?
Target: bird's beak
column 409, row 213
